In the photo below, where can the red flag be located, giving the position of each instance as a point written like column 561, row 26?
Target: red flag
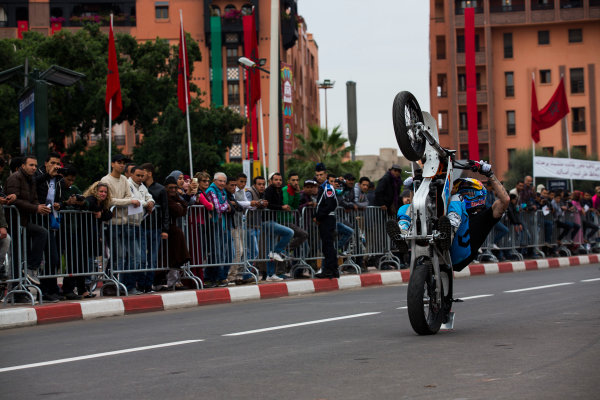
column 183, row 73
column 113, row 86
column 22, row 26
column 251, row 52
column 552, row 112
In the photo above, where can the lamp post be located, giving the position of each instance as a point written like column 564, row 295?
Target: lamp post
column 325, row 84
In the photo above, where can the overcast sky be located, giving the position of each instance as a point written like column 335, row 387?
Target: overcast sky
column 383, row 46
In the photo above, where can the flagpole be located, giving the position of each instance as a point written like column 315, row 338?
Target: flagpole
column 110, row 117
column 262, row 138
column 567, row 133
column 187, row 105
column 533, row 142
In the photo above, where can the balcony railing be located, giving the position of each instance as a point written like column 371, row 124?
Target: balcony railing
column 512, row 8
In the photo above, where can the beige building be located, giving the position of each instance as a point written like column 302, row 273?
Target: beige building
column 375, row 166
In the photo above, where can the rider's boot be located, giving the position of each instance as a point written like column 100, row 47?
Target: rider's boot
column 394, row 232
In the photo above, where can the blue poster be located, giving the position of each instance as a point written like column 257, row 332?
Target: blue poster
column 27, row 123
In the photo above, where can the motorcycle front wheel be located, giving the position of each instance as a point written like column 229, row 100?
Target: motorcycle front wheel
column 425, row 315
column 405, row 114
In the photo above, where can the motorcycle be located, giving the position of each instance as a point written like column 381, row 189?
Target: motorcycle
column 429, row 236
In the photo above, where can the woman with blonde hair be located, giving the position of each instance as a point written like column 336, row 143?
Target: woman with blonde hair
column 98, row 200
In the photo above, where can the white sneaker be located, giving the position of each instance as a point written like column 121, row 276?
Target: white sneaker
column 275, row 256
column 274, row 278
column 495, row 246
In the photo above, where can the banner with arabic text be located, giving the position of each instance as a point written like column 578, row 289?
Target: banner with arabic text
column 566, row 168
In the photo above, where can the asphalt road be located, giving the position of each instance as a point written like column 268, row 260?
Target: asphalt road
column 539, row 343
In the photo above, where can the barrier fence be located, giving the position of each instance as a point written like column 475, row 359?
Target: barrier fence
column 126, row 252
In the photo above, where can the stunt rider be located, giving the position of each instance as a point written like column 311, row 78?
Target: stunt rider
column 469, row 218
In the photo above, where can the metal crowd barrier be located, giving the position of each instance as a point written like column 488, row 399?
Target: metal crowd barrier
column 125, row 248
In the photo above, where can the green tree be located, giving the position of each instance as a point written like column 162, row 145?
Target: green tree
column 324, row 147
column 165, row 142
column 148, row 75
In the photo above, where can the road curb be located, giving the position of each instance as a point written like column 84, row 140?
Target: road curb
column 104, row 307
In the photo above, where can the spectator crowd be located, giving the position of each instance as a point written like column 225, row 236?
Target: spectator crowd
column 238, row 229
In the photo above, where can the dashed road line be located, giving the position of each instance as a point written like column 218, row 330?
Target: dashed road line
column 319, row 321
column 538, row 287
column 97, row 355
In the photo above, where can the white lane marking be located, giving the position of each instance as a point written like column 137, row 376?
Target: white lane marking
column 402, row 308
column 319, row 321
column 97, row 355
column 539, row 287
column 591, row 280
column 476, row 297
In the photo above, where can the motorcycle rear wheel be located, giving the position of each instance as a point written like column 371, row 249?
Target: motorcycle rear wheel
column 405, row 113
column 425, row 315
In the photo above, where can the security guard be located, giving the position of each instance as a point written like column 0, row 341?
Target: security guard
column 325, row 219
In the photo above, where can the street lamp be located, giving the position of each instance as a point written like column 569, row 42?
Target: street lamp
column 325, row 84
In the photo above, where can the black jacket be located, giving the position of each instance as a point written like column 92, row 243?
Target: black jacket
column 384, row 192
column 42, row 183
column 326, row 202
column 274, row 195
column 159, row 195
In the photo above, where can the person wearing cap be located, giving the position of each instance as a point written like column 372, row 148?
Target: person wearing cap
column 326, row 221
column 121, row 199
column 387, row 193
column 308, row 196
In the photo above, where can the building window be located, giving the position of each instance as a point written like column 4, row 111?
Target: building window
column 460, row 44
column 462, row 120
column 542, row 4
column 508, row 45
column 511, row 129
column 576, row 80
column 575, row 35
column 440, row 42
column 233, row 93
column 462, row 82
column 442, row 85
column 545, row 76
column 543, row 37
column 548, row 151
column 509, row 84
column 578, row 119
column 161, row 9
column 232, row 56
column 511, row 154
column 443, row 122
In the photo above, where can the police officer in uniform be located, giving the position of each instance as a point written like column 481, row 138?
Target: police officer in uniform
column 325, row 219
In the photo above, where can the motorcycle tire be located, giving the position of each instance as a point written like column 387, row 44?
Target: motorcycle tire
column 405, row 113
column 425, row 319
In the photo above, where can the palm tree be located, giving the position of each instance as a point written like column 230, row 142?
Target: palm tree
column 322, row 146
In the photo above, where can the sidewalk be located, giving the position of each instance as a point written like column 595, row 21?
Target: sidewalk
column 12, row 317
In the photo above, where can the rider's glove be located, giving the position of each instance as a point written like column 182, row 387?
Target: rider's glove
column 483, row 168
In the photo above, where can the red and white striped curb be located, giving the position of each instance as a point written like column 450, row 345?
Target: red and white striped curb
column 107, row 307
